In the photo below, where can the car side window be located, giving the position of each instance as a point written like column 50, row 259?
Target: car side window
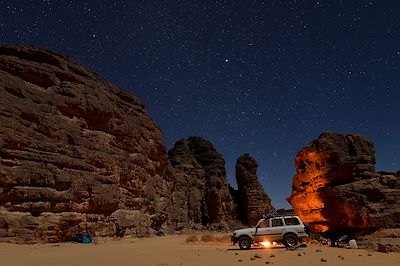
column 263, row 224
column 292, row 221
column 277, row 222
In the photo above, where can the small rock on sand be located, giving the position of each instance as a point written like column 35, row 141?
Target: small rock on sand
column 318, row 250
column 272, row 256
column 257, row 256
column 324, row 260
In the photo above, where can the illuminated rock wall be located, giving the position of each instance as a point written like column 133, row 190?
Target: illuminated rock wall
column 336, row 186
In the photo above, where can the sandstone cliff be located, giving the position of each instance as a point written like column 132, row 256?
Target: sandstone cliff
column 252, row 200
column 336, row 186
column 76, row 152
column 200, row 192
column 79, row 154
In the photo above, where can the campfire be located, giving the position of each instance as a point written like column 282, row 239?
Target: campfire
column 267, row 244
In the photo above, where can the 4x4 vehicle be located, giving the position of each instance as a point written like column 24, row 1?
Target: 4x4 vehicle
column 286, row 229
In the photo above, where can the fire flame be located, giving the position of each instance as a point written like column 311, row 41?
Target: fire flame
column 266, row 244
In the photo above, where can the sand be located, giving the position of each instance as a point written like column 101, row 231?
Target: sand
column 174, row 251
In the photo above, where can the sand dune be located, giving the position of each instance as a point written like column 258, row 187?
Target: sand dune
column 173, row 250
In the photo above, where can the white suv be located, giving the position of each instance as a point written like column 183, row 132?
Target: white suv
column 286, row 229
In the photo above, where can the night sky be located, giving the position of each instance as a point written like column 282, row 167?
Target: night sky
column 258, row 77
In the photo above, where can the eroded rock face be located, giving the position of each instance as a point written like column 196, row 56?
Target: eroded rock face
column 76, row 152
column 336, row 186
column 383, row 240
column 253, row 201
column 201, row 193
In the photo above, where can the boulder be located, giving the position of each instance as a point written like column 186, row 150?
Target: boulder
column 76, row 152
column 336, row 186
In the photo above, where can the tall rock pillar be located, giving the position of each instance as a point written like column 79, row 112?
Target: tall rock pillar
column 253, row 201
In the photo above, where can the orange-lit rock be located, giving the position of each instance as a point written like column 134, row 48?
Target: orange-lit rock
column 336, row 186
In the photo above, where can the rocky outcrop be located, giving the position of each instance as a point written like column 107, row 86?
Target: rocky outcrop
column 252, row 199
column 336, row 186
column 79, row 154
column 383, row 240
column 200, row 194
column 76, row 153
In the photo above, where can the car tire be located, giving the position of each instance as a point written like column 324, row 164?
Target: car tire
column 290, row 240
column 244, row 242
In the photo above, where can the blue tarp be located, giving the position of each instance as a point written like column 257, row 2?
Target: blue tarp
column 84, row 238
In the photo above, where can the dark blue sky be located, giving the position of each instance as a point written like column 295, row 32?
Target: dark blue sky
column 261, row 77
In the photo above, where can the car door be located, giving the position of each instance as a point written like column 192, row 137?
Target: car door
column 262, row 231
column 277, row 229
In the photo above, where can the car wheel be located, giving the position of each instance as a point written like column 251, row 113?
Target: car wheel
column 244, row 242
column 290, row 240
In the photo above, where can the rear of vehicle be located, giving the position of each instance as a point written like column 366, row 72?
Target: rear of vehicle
column 294, row 231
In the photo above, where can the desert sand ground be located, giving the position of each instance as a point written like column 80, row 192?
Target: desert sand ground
column 174, row 251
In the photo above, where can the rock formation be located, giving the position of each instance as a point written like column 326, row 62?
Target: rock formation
column 252, row 200
column 79, row 154
column 336, row 186
column 382, row 240
column 200, row 192
column 76, row 152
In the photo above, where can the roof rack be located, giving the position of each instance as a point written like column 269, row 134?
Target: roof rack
column 271, row 215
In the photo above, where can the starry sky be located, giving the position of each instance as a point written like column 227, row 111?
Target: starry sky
column 258, row 77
